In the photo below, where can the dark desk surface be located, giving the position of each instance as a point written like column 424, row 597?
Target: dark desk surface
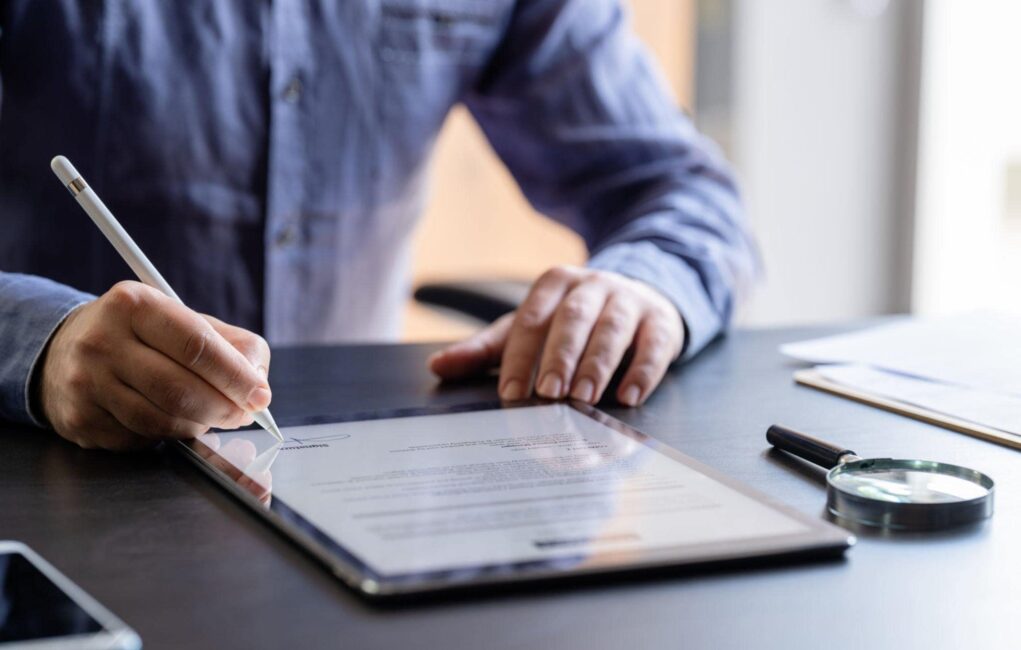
column 183, row 564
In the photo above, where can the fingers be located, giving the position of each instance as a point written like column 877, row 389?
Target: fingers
column 611, row 337
column 135, row 364
column 655, row 348
column 191, row 341
column 100, row 430
column 528, row 332
column 173, row 389
column 568, row 336
column 140, row 416
column 475, row 354
column 252, row 346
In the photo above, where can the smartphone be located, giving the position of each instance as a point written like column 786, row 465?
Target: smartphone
column 41, row 609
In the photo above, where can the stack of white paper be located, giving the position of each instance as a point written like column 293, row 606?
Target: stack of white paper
column 967, row 367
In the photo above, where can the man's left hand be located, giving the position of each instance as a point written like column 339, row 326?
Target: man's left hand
column 570, row 335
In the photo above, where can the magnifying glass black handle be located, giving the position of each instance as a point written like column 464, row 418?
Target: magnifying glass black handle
column 804, row 446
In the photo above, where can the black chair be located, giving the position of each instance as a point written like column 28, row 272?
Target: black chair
column 483, row 301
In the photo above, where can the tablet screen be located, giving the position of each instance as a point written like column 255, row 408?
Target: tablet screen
column 463, row 494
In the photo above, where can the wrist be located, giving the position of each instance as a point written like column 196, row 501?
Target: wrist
column 46, row 369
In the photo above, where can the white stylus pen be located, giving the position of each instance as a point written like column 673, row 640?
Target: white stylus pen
column 128, row 249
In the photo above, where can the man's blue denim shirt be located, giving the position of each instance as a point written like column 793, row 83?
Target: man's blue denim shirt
column 275, row 154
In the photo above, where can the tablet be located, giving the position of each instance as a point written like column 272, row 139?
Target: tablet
column 404, row 503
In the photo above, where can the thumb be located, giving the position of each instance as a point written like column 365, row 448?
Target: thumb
column 475, row 354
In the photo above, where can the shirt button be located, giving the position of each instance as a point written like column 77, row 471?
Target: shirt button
column 285, row 237
column 292, row 93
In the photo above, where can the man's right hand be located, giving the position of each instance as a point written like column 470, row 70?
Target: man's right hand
column 135, row 366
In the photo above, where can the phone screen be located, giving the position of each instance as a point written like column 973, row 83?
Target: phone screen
column 33, row 607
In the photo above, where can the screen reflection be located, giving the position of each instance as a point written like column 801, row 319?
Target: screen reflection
column 32, row 607
column 242, row 461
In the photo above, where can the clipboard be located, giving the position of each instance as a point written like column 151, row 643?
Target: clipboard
column 812, row 378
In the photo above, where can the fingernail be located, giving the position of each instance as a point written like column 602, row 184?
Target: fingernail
column 551, row 385
column 631, row 395
column 259, row 398
column 512, row 390
column 584, row 390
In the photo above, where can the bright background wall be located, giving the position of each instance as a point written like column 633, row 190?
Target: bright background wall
column 819, row 136
column 968, row 236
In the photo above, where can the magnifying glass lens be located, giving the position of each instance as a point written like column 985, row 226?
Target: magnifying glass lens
column 892, row 493
column 908, row 486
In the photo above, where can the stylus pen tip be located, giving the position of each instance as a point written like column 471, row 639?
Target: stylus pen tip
column 265, row 420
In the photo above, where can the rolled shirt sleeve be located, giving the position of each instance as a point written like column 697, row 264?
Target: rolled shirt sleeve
column 575, row 107
column 31, row 309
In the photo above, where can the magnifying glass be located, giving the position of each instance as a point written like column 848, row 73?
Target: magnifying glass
column 891, row 493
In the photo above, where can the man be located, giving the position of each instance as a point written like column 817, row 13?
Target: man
column 270, row 159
